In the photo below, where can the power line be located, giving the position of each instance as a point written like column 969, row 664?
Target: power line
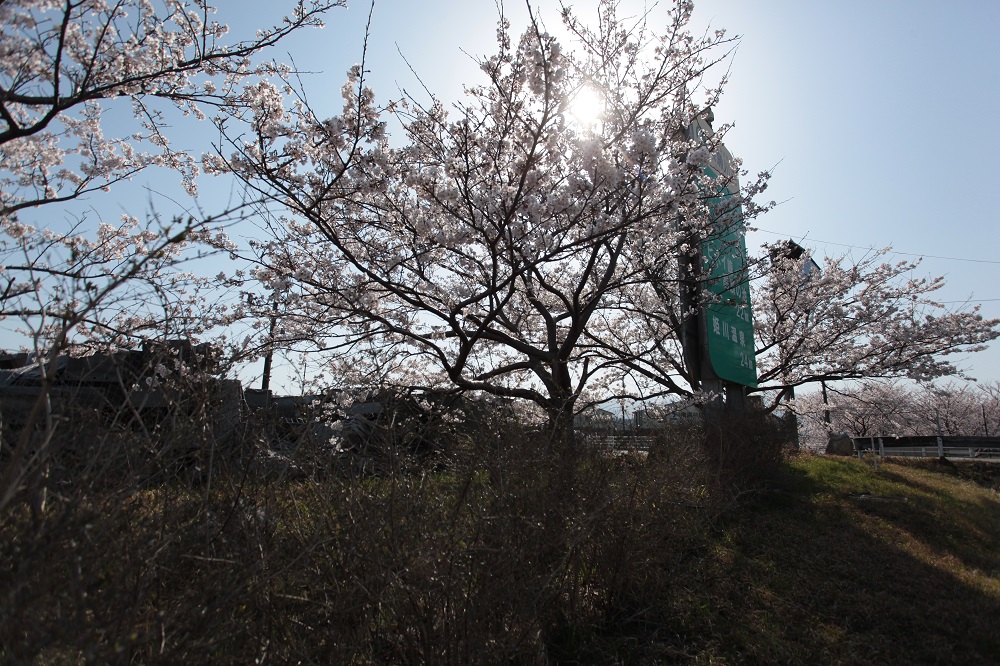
column 910, row 254
column 974, row 300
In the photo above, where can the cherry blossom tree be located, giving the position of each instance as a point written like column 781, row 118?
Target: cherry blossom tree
column 990, row 408
column 64, row 64
column 64, row 67
column 91, row 93
column 503, row 249
column 857, row 319
column 956, row 409
column 872, row 409
column 891, row 408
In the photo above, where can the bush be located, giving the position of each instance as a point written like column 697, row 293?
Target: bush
column 745, row 449
column 505, row 549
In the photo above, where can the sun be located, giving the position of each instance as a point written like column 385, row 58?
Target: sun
column 586, row 107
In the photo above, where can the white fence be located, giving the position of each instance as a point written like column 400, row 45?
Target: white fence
column 934, row 452
column 946, row 446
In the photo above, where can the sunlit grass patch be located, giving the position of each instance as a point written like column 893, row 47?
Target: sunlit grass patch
column 858, row 562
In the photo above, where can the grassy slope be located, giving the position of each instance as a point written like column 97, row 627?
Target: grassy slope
column 836, row 564
column 841, row 564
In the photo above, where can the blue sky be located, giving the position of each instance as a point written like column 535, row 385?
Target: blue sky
column 879, row 116
column 883, row 118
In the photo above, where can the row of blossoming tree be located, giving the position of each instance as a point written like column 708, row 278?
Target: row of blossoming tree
column 497, row 244
column 890, row 409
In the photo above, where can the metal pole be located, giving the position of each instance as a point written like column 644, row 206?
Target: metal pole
column 265, row 383
column 940, row 439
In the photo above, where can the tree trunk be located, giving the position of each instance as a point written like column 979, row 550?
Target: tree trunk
column 560, row 431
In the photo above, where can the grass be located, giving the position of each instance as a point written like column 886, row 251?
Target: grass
column 506, row 558
column 841, row 564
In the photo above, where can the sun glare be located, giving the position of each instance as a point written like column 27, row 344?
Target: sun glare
column 587, row 107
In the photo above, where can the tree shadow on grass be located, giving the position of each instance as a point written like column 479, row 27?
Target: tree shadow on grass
column 793, row 580
column 968, row 530
column 981, row 472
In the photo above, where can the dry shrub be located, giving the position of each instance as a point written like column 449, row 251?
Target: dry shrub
column 745, row 448
column 503, row 547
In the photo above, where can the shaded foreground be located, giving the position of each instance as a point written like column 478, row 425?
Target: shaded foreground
column 841, row 564
column 504, row 551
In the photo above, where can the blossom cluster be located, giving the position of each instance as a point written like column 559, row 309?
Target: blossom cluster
column 64, row 65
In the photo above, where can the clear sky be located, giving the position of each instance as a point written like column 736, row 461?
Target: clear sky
column 881, row 116
column 883, row 119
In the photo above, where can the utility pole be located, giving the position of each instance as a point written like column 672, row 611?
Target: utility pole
column 265, row 383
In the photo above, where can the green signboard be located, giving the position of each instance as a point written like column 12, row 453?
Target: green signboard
column 728, row 321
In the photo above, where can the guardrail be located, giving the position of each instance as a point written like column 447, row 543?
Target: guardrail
column 946, row 446
column 949, row 452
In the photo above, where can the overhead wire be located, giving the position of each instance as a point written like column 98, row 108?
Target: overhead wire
column 872, row 248
column 910, row 254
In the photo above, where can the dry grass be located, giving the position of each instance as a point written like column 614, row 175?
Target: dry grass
column 502, row 551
